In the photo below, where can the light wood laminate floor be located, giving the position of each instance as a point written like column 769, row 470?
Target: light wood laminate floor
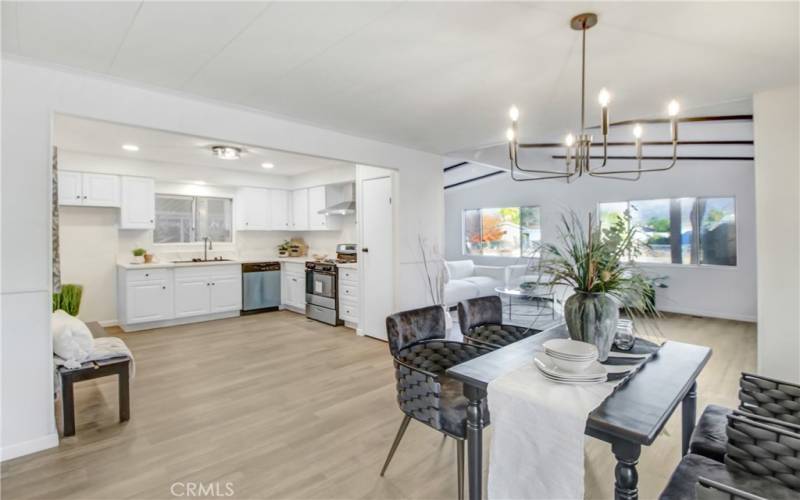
column 284, row 407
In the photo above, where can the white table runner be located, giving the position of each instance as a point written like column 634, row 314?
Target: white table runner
column 538, row 434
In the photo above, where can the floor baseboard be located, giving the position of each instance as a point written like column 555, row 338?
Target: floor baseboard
column 28, row 447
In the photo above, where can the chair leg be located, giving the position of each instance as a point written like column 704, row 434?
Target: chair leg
column 460, row 465
column 397, row 438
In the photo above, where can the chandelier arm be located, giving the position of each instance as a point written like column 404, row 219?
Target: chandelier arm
column 555, row 173
column 642, row 170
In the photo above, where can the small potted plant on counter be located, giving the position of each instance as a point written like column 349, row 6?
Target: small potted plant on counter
column 283, row 248
column 138, row 255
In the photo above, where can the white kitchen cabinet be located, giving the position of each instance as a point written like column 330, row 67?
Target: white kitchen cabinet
column 348, row 296
column 252, row 209
column 226, row 293
column 149, row 301
column 100, row 190
column 88, row 189
column 138, row 203
column 293, row 286
column 316, row 202
column 300, row 210
column 70, row 188
column 192, row 295
column 279, row 209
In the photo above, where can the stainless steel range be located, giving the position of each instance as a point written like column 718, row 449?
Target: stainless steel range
column 322, row 303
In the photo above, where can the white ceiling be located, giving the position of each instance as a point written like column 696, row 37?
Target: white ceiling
column 104, row 138
column 438, row 76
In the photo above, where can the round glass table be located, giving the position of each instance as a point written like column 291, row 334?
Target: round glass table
column 535, row 302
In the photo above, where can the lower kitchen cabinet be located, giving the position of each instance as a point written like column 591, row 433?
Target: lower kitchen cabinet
column 293, row 286
column 348, row 296
column 166, row 296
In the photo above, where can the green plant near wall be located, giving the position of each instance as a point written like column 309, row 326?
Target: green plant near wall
column 69, row 299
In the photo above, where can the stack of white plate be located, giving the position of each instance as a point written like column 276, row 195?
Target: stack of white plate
column 570, row 361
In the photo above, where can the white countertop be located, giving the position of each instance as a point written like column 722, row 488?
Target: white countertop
column 237, row 261
column 348, row 265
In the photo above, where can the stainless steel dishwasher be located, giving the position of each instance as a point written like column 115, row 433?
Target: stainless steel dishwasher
column 261, row 287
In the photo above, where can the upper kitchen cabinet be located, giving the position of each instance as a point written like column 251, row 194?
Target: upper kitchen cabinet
column 252, row 209
column 279, row 209
column 88, row 189
column 137, row 210
column 300, row 210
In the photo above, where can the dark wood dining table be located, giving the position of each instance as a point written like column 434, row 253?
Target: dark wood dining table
column 631, row 417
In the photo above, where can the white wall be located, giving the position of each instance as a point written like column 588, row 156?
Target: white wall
column 700, row 290
column 30, row 95
column 777, row 129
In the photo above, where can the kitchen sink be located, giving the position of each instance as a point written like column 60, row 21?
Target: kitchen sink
column 199, row 261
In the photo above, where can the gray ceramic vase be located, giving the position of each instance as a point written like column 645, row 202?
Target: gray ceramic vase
column 592, row 318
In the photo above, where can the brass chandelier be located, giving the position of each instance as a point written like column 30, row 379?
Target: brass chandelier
column 578, row 159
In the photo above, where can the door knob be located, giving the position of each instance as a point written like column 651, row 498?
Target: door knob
column 365, row 250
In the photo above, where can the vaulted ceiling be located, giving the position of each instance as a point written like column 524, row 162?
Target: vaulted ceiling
column 437, row 76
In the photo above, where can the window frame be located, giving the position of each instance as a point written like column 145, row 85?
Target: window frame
column 520, row 207
column 194, row 221
column 695, row 237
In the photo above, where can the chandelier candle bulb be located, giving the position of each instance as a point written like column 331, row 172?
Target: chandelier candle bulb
column 513, row 113
column 510, row 135
column 604, row 98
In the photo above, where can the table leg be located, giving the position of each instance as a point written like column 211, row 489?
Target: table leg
column 475, row 441
column 124, row 392
column 688, row 417
column 626, row 486
column 67, row 406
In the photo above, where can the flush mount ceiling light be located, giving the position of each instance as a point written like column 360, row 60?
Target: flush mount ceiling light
column 267, row 165
column 227, row 152
column 578, row 148
column 130, row 147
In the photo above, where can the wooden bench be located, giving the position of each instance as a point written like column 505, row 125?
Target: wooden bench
column 90, row 370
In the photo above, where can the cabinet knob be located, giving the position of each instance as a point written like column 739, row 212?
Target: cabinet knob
column 151, row 221
column 78, row 197
column 84, row 197
column 146, row 275
column 213, row 284
column 164, row 287
column 208, row 284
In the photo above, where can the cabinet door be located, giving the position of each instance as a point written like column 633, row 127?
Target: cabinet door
column 279, row 209
column 316, row 202
column 300, row 210
column 252, row 209
column 192, row 296
column 100, row 190
column 226, row 294
column 148, row 301
column 295, row 291
column 70, row 188
column 138, row 204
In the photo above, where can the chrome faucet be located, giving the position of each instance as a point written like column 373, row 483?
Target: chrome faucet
column 207, row 245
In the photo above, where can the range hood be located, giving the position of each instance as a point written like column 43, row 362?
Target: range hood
column 342, row 207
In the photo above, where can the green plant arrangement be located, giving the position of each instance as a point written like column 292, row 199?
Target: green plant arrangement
column 283, row 248
column 68, row 299
column 598, row 264
column 139, row 252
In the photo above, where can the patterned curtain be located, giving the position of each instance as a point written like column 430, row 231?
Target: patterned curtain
column 56, row 254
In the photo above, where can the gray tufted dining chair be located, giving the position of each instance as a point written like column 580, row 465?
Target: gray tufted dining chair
column 481, row 322
column 421, row 356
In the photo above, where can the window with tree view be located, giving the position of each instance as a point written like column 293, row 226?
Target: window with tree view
column 680, row 230
column 502, row 232
column 184, row 219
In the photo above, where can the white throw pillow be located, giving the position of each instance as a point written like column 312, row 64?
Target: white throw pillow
column 460, row 269
column 72, row 339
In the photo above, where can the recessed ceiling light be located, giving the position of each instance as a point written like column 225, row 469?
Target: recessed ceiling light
column 227, row 152
column 267, row 165
column 130, row 147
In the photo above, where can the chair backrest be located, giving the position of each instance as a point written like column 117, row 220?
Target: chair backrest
column 480, row 311
column 407, row 327
column 763, row 450
column 770, row 397
column 459, row 269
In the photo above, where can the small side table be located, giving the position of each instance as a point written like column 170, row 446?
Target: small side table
column 91, row 370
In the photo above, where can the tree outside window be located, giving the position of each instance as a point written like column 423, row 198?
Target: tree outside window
column 501, row 232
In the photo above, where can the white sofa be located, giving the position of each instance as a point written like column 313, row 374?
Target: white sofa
column 465, row 280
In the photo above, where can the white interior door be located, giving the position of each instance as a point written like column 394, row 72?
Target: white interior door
column 376, row 256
